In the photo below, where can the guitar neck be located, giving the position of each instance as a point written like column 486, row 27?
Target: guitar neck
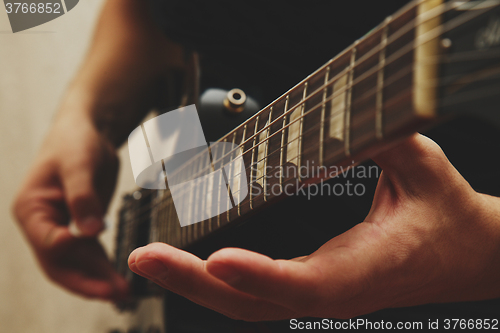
column 420, row 65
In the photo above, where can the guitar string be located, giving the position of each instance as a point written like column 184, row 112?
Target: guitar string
column 323, row 103
column 395, row 56
column 233, row 133
column 203, row 227
column 313, row 109
column 198, row 229
column 305, row 152
column 161, row 205
column 406, row 28
column 190, row 230
column 397, row 34
column 396, row 16
column 401, row 73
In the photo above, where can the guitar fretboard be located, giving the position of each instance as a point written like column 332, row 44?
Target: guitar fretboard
column 381, row 88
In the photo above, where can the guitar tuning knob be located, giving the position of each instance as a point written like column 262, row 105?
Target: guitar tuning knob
column 235, row 100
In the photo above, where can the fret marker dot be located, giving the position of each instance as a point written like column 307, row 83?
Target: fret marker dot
column 446, row 43
column 137, row 195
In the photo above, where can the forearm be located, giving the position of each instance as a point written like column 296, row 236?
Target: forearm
column 121, row 76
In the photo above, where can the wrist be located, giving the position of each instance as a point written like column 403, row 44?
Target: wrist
column 112, row 118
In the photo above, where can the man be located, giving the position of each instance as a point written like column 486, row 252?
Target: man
column 428, row 238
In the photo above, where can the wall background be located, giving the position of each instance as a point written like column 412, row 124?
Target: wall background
column 35, row 67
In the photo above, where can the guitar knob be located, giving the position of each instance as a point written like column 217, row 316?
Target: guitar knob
column 235, row 100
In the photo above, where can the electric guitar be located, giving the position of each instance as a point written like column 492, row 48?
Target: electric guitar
column 430, row 61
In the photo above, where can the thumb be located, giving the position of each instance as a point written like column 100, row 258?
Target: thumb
column 83, row 201
column 415, row 164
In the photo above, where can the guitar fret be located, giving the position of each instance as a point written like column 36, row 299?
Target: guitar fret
column 157, row 215
column 200, row 198
column 169, row 210
column 209, row 189
column 262, row 150
column 219, row 213
column 380, row 81
column 153, row 236
column 204, row 164
column 172, row 220
column 322, row 121
column 283, row 140
column 212, row 221
column 242, row 147
column 192, row 204
column 184, row 209
column 156, row 218
column 292, row 146
column 183, row 236
column 161, row 210
column 230, row 177
column 170, row 224
column 253, row 156
column 190, row 208
column 178, row 229
column 268, row 124
column 301, row 126
column 347, row 125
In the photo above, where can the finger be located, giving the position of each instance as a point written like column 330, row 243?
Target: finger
column 85, row 286
column 93, row 263
column 81, row 265
column 292, row 283
column 332, row 281
column 185, row 274
column 82, row 199
column 42, row 215
column 113, row 289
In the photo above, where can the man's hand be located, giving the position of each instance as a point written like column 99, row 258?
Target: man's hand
column 73, row 178
column 75, row 172
column 429, row 237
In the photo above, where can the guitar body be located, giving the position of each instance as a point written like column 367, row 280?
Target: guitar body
column 296, row 225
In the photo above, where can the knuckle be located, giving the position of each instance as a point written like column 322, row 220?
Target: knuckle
column 428, row 150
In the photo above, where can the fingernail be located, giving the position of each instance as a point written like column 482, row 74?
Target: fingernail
column 225, row 273
column 153, row 268
column 131, row 257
